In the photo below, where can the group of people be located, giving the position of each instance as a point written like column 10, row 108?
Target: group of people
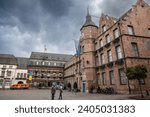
column 53, row 92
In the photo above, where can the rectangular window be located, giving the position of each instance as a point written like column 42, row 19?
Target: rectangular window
column 135, row 49
column 118, row 52
column 103, row 28
column 25, row 75
column 130, row 30
column 96, row 61
column 1, row 82
column 98, row 79
column 57, row 64
column 104, row 78
column 96, row 46
column 148, row 45
column 3, row 73
column 8, row 73
column 116, row 33
column 149, row 31
column 101, row 43
column 37, row 63
column 54, row 64
column 4, row 66
column 107, row 38
column 7, row 84
column 112, row 80
column 122, row 76
column 102, row 59
column 21, row 76
column 11, row 67
column 18, row 75
column 109, row 55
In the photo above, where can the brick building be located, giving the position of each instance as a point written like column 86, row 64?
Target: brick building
column 107, row 50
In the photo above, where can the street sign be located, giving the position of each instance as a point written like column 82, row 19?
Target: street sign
column 30, row 73
column 30, row 78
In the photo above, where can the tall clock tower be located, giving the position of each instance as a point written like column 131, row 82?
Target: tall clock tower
column 87, row 64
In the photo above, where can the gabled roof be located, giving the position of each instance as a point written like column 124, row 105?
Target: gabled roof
column 139, row 2
column 50, row 56
column 8, row 59
column 22, row 62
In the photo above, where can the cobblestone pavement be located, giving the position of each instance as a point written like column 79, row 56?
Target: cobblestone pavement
column 45, row 94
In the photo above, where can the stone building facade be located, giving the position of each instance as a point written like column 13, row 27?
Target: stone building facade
column 13, row 70
column 107, row 50
column 21, row 71
column 8, row 66
column 46, row 68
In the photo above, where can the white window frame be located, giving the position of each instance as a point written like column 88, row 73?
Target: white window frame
column 130, row 30
column 102, row 59
column 108, row 38
column 109, row 55
column 112, row 78
column 116, row 33
column 122, row 77
column 104, row 78
column 119, row 52
column 101, row 43
column 103, row 28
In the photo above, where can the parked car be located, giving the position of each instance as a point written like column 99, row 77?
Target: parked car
column 20, row 86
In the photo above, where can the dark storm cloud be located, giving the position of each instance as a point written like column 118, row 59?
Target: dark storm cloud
column 117, row 8
column 30, row 14
column 57, row 8
column 27, row 25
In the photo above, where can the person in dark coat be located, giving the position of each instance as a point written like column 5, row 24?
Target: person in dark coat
column 60, row 94
column 53, row 91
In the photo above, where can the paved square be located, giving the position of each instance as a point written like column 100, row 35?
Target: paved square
column 45, row 94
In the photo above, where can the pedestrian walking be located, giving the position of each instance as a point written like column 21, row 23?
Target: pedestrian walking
column 53, row 91
column 60, row 94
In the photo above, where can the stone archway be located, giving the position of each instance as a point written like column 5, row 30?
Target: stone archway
column 20, row 82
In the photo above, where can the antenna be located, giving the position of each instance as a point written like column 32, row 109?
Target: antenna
column 45, row 49
column 88, row 10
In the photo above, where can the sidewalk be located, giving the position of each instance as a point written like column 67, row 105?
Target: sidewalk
column 140, row 98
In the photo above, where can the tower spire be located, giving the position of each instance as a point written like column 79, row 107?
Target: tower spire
column 88, row 11
column 88, row 21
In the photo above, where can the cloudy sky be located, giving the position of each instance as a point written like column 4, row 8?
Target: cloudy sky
column 28, row 25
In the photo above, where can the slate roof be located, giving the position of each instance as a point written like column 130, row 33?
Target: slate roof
column 50, row 56
column 22, row 62
column 8, row 59
column 88, row 21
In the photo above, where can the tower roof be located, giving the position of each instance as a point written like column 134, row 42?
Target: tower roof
column 88, row 21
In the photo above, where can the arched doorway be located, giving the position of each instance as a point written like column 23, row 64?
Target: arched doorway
column 83, row 87
column 69, row 86
column 20, row 82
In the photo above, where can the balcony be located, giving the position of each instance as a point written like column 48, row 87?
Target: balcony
column 102, row 67
column 107, row 45
column 119, row 61
column 100, row 49
column 116, row 40
column 110, row 64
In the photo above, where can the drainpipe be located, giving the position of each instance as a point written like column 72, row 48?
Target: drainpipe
column 124, row 55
